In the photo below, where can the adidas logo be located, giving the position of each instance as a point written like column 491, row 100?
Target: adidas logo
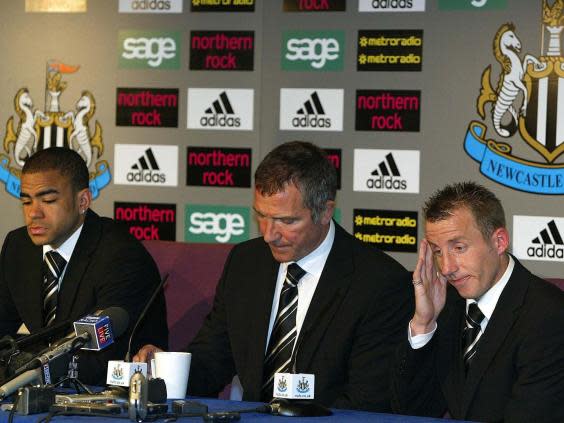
column 220, row 114
column 387, row 175
column 548, row 244
column 309, row 114
column 144, row 161
column 146, row 169
column 387, row 167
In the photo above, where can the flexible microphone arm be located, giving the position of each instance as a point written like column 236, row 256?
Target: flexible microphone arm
column 142, row 315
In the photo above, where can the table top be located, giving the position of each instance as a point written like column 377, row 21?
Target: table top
column 215, row 405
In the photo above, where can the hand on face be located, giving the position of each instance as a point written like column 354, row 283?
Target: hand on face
column 430, row 291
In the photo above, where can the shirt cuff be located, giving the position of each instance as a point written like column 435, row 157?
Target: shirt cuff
column 419, row 341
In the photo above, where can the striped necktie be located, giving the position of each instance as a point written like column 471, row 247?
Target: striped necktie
column 474, row 318
column 279, row 353
column 53, row 266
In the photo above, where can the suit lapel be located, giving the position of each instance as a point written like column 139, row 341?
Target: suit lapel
column 32, row 289
column 450, row 351
column 79, row 262
column 333, row 283
column 258, row 315
column 504, row 316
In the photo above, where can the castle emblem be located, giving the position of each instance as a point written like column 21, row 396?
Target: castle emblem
column 282, row 384
column 527, row 102
column 303, row 386
column 33, row 130
column 117, row 372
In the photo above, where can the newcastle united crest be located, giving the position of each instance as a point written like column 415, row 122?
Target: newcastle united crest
column 525, row 102
column 32, row 130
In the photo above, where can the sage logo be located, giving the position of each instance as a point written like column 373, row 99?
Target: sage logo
column 538, row 238
column 313, row 50
column 150, row 6
column 206, row 223
column 219, row 108
column 149, row 49
column 391, row 5
column 386, row 171
column 138, row 164
column 311, row 109
column 472, row 4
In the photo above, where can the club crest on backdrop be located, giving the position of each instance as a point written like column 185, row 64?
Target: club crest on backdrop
column 523, row 102
column 32, row 130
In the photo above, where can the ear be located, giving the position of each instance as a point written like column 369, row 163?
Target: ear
column 327, row 214
column 84, row 200
column 500, row 240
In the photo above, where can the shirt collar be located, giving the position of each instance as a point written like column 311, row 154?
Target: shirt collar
column 67, row 247
column 314, row 262
column 489, row 300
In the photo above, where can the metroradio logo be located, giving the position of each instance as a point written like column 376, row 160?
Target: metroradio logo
column 230, row 109
column 538, row 238
column 152, row 165
column 386, row 170
column 307, row 110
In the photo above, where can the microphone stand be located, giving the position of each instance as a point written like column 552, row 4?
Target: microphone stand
column 72, row 377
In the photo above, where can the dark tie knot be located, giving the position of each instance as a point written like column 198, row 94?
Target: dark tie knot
column 55, row 260
column 294, row 273
column 474, row 316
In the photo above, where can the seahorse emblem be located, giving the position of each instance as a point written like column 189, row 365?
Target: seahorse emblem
column 505, row 97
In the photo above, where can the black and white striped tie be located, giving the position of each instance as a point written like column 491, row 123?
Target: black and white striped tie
column 279, row 353
column 54, row 265
column 474, row 318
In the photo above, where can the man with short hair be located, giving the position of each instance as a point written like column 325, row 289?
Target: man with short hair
column 486, row 341
column 306, row 297
column 67, row 262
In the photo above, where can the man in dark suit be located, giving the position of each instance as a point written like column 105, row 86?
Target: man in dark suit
column 486, row 341
column 352, row 302
column 102, row 265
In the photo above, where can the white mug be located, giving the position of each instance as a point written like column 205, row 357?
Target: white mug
column 173, row 368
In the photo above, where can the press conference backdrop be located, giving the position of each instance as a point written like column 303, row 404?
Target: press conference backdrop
column 174, row 103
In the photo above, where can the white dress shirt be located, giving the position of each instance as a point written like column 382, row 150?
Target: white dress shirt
column 65, row 250
column 313, row 264
column 486, row 303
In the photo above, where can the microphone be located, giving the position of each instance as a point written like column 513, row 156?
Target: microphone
column 31, row 376
column 142, row 316
column 44, row 334
column 93, row 332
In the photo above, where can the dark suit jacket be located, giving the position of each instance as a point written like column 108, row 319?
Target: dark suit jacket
column 517, row 374
column 357, row 316
column 108, row 267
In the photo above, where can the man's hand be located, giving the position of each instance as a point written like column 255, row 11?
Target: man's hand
column 430, row 292
column 146, row 353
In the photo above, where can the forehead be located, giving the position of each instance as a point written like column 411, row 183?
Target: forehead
column 48, row 179
column 459, row 225
column 287, row 201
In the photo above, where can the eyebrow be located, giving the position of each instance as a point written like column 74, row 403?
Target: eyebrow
column 40, row 193
column 274, row 217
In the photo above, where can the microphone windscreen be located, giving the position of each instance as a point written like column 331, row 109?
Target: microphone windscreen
column 119, row 318
column 156, row 390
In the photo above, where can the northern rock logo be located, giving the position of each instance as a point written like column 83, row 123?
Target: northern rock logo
column 521, row 105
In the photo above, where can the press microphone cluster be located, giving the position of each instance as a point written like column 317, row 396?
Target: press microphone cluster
column 93, row 332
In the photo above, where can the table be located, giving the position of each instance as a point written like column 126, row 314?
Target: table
column 222, row 405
